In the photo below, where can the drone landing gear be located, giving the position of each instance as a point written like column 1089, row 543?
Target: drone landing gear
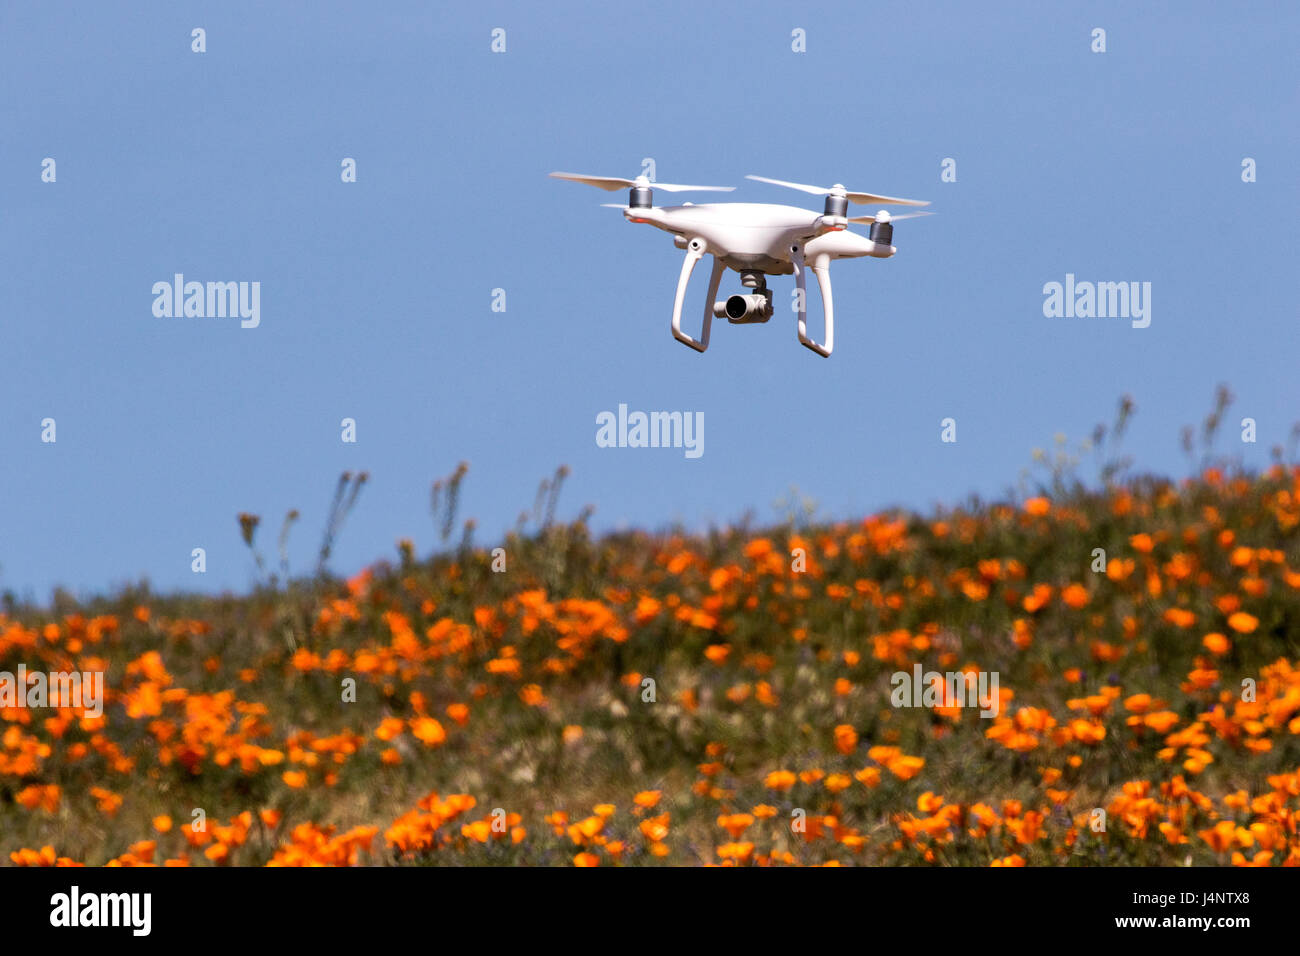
column 695, row 251
column 757, row 306
column 821, row 267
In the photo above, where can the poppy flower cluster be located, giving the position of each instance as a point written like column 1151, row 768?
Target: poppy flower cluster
column 719, row 699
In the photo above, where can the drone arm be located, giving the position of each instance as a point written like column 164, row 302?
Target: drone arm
column 695, row 251
column 821, row 267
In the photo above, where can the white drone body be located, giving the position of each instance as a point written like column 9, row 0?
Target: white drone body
column 757, row 240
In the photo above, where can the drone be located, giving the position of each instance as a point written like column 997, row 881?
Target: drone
column 758, row 240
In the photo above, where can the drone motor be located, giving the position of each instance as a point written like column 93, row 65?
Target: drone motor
column 640, row 197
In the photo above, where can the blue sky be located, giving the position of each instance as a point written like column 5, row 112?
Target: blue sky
column 376, row 295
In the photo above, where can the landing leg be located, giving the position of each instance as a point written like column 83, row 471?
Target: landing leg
column 821, row 268
column 695, row 251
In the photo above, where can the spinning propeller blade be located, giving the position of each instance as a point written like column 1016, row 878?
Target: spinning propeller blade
column 861, row 199
column 814, row 190
column 611, row 183
column 674, row 188
column 884, row 216
column 607, row 183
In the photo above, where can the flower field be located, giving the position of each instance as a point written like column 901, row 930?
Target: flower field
column 725, row 698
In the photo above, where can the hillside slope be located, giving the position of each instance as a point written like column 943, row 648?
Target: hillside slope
column 717, row 699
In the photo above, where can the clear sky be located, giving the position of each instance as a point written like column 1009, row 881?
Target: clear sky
column 376, row 296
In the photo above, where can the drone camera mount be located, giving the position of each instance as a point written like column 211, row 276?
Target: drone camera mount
column 747, row 309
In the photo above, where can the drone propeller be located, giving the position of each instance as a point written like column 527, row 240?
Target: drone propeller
column 839, row 192
column 611, row 183
column 884, row 216
column 882, row 223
